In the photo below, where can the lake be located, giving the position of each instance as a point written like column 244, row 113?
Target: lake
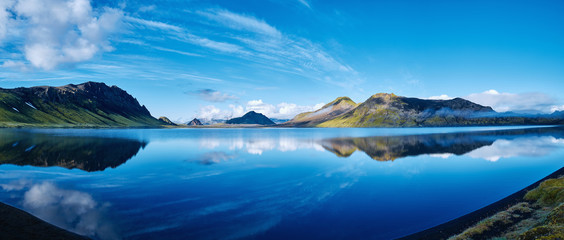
column 268, row 183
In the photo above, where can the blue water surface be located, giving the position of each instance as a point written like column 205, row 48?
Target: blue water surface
column 268, row 183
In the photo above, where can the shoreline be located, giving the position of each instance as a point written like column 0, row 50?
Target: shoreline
column 458, row 225
column 19, row 224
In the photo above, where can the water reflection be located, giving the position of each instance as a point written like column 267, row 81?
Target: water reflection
column 490, row 145
column 268, row 184
column 85, row 153
column 72, row 210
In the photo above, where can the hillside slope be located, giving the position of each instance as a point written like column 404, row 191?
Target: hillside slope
column 390, row 110
column 89, row 104
column 329, row 111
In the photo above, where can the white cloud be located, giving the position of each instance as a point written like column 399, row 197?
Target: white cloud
column 557, row 108
column 58, row 32
column 440, row 97
column 261, row 107
column 211, row 112
column 519, row 102
column 237, row 110
column 211, row 95
column 281, row 111
column 14, row 64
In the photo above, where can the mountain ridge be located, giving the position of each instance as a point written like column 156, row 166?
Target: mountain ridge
column 90, row 104
column 329, row 111
column 390, row 110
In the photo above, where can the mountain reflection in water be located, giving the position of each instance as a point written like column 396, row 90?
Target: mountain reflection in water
column 86, row 153
column 389, row 148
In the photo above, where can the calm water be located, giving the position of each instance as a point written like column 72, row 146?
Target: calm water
column 267, row 183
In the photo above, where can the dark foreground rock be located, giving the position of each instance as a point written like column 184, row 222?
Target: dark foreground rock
column 16, row 224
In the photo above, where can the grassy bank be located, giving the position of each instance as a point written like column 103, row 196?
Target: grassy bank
column 535, row 212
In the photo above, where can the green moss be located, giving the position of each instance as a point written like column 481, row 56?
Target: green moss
column 493, row 224
column 548, row 193
column 544, row 233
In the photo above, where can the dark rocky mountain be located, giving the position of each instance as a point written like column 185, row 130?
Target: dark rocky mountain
column 251, row 118
column 195, row 122
column 166, row 121
column 90, row 104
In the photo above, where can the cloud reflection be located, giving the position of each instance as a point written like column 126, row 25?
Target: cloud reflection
column 257, row 146
column 215, row 157
column 72, row 210
column 520, row 147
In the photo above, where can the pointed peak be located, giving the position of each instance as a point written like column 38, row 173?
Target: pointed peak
column 339, row 100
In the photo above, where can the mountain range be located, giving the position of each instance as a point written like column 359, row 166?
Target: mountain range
column 90, row 104
column 390, row 110
column 93, row 104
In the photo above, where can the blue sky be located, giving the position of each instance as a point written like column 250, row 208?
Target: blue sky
column 219, row 59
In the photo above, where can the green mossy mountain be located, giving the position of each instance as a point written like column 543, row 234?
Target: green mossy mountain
column 251, row 117
column 390, row 110
column 329, row 111
column 89, row 104
column 166, row 121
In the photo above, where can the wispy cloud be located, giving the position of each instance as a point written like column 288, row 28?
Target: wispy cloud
column 260, row 44
column 181, row 34
column 200, row 78
column 153, row 24
column 177, row 51
column 240, row 22
column 305, row 3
